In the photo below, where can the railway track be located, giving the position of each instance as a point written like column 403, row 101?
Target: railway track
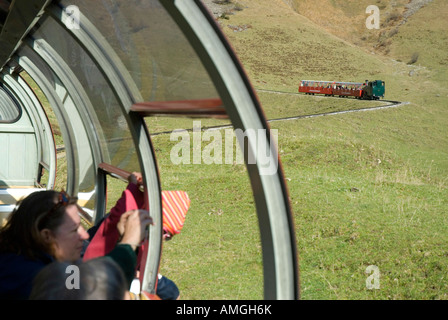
column 392, row 104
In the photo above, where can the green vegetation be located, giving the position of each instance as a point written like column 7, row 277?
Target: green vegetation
column 366, row 188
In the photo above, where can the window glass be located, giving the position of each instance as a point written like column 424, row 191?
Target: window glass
column 9, row 109
column 118, row 148
column 83, row 152
column 159, row 58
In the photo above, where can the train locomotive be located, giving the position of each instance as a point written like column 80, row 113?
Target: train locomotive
column 369, row 90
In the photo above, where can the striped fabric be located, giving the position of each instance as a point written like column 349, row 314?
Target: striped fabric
column 175, row 205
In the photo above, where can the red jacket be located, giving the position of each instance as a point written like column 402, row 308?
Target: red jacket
column 106, row 237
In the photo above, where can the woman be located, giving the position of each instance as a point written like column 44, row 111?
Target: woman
column 45, row 227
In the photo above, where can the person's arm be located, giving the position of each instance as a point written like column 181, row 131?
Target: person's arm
column 132, row 198
column 124, row 255
column 132, row 228
column 107, row 235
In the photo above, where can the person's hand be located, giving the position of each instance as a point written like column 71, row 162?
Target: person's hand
column 132, row 226
column 136, row 178
column 121, row 225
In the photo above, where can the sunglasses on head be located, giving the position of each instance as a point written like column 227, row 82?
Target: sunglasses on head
column 63, row 200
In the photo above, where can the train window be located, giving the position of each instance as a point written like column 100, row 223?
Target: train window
column 78, row 136
column 115, row 137
column 9, row 108
column 154, row 50
column 103, row 74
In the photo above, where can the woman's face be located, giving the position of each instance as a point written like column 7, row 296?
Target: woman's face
column 69, row 236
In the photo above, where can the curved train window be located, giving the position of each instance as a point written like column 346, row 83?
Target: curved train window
column 9, row 108
column 118, row 64
column 168, row 68
column 115, row 135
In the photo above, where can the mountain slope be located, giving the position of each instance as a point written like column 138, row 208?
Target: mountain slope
column 280, row 47
column 396, row 159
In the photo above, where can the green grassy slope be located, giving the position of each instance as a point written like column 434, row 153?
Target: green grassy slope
column 366, row 189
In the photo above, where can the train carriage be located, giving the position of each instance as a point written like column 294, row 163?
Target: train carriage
column 372, row 90
column 313, row 87
column 347, row 89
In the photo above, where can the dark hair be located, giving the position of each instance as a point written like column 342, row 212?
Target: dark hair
column 38, row 211
column 99, row 279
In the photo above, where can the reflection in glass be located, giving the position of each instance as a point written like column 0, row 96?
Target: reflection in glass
column 85, row 167
column 120, row 150
column 9, row 110
column 157, row 55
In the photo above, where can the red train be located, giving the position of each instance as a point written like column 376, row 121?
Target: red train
column 372, row 90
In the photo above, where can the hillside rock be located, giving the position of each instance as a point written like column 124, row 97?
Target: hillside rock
column 218, row 8
column 413, row 6
column 222, row 8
